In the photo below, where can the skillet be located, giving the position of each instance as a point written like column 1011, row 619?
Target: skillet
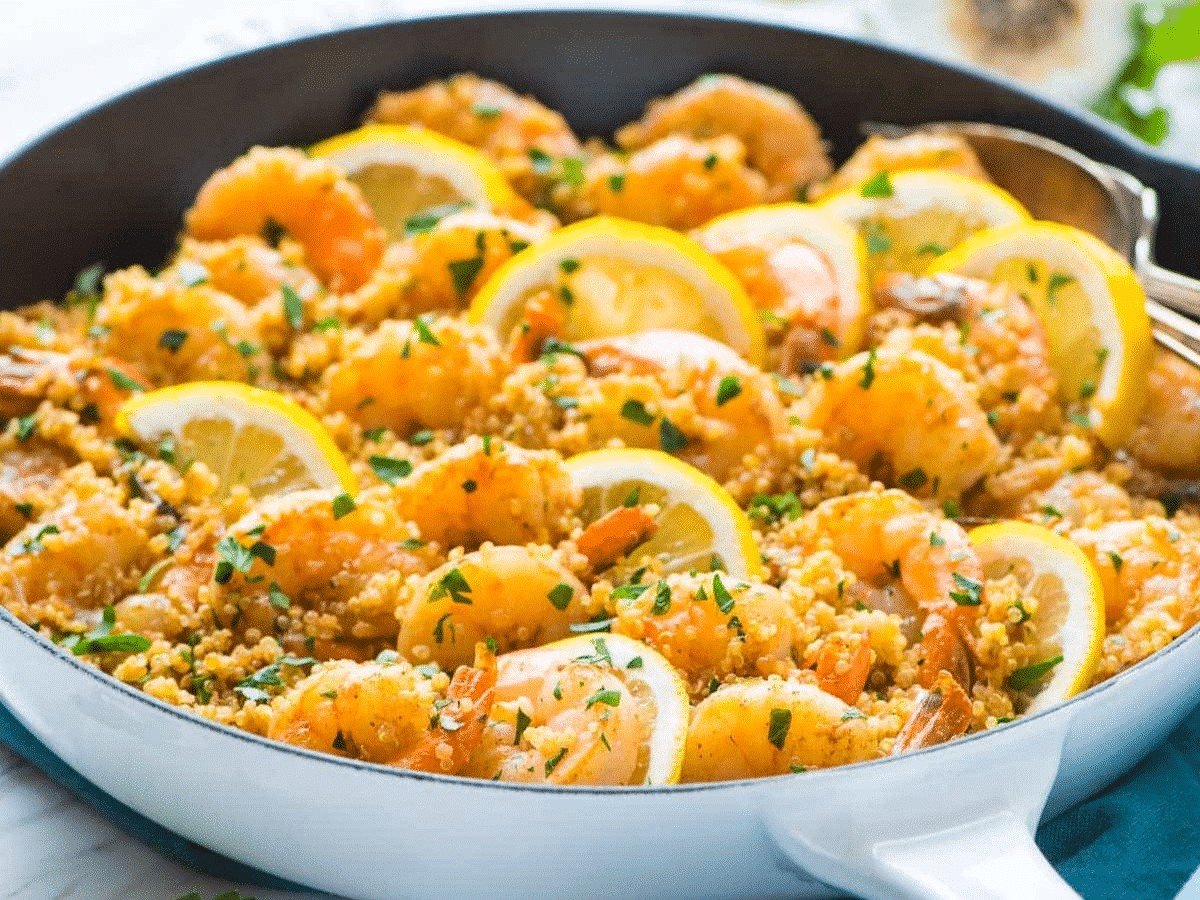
column 954, row 820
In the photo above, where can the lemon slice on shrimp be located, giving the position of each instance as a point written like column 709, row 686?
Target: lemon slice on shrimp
column 798, row 243
column 655, row 683
column 616, row 277
column 1066, row 626
column 410, row 175
column 699, row 526
column 1092, row 306
column 910, row 218
column 245, row 435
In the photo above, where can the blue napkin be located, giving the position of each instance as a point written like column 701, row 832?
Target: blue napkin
column 1140, row 838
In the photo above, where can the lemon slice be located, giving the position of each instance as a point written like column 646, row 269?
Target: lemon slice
column 244, row 435
column 616, row 277
column 700, row 527
column 909, row 218
column 651, row 679
column 771, row 248
column 1069, row 620
column 405, row 171
column 1091, row 304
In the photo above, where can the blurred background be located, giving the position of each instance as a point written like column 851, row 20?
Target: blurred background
column 1137, row 64
column 1134, row 63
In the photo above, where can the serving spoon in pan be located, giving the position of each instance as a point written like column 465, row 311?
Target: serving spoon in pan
column 1059, row 184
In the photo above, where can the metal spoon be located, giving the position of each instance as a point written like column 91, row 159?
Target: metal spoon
column 1059, row 184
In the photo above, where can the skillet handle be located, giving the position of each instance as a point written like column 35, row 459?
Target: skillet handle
column 1171, row 289
column 953, row 822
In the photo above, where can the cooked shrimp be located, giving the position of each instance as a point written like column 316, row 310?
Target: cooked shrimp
column 546, row 724
column 796, row 288
column 761, row 727
column 781, row 139
column 246, row 268
column 515, row 596
column 1167, row 437
column 487, row 115
column 732, row 408
column 321, row 580
column 709, row 626
column 943, row 713
column 614, row 535
column 995, row 341
column 442, row 269
column 677, row 182
column 905, row 419
column 1151, row 576
column 281, row 190
column 85, row 553
column 489, row 490
column 916, row 563
column 388, row 712
column 919, row 150
column 174, row 332
column 29, row 468
column 409, row 375
column 83, row 381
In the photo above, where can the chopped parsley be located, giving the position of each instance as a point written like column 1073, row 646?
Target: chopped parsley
column 721, row 595
column 635, row 411
column 453, row 585
column 1057, row 282
column 868, row 376
column 123, row 382
column 523, row 722
column 172, row 339
column 913, row 479
column 616, row 183
column 729, row 388
column 343, row 505
column 26, row 425
column 607, row 697
column 293, row 307
column 879, row 186
column 778, row 727
column 425, row 221
column 389, row 469
column 670, row 438
column 877, row 239
column 1027, row 676
column 463, row 272
column 662, row 599
column 773, row 508
column 969, row 591
column 560, row 596
column 424, row 334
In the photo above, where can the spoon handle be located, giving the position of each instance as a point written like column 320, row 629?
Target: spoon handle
column 1171, row 289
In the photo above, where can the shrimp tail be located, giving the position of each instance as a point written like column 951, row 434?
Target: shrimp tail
column 447, row 747
column 944, row 712
column 614, row 534
column 847, row 681
column 945, row 650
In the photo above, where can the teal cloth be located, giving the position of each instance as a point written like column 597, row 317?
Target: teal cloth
column 1140, row 838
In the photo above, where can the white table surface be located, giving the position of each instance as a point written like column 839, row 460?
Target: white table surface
column 59, row 56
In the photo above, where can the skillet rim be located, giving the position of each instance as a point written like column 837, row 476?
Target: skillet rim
column 716, row 15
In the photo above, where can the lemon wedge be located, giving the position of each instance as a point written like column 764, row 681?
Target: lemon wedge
column 910, row 218
column 616, row 277
column 700, row 527
column 653, row 680
column 1093, row 309
column 245, row 435
column 1068, row 622
column 407, row 174
column 771, row 248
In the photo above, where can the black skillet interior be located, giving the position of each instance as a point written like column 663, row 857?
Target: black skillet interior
column 112, row 185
